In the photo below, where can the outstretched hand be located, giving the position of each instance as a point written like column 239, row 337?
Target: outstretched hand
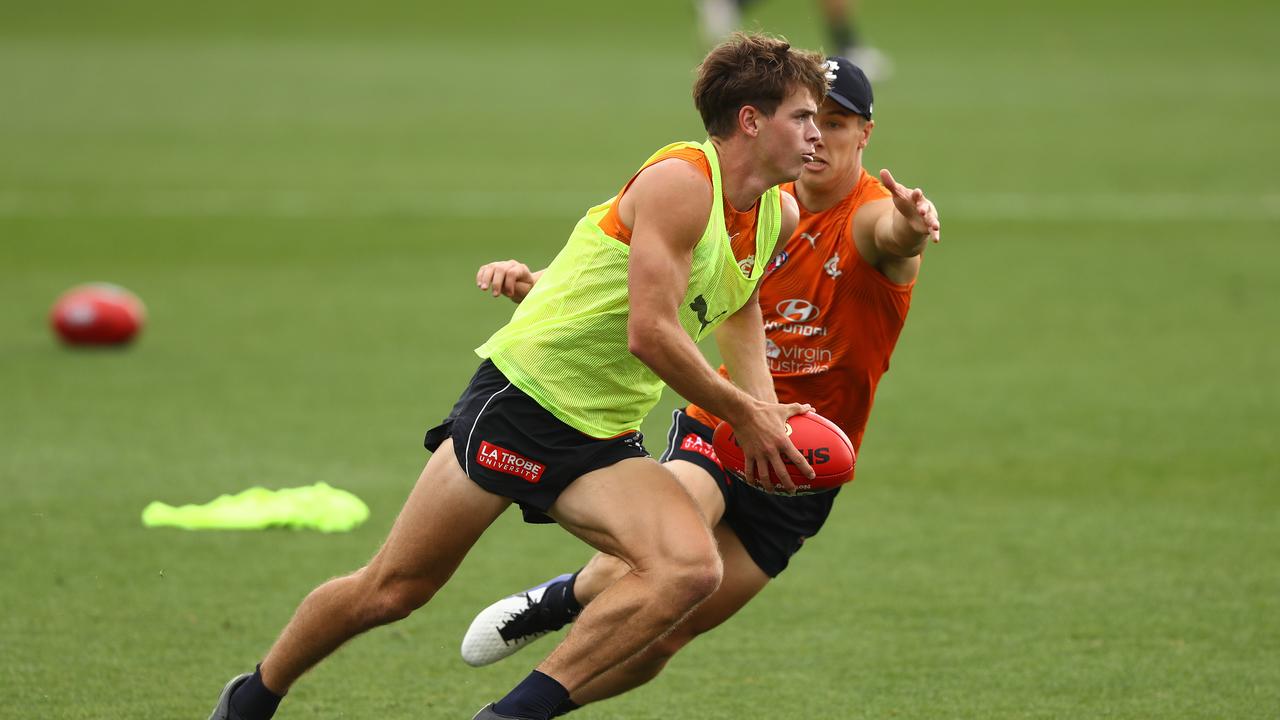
column 914, row 206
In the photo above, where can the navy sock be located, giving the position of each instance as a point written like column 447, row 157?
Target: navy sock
column 537, row 697
column 560, row 602
column 253, row 700
column 566, row 707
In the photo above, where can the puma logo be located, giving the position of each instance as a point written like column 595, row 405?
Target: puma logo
column 699, row 306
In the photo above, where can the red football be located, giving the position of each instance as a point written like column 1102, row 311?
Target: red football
column 97, row 314
column 821, row 441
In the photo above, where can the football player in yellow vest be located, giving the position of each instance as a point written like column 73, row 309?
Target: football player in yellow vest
column 834, row 303
column 551, row 418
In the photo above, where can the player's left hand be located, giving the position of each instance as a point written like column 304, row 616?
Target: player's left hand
column 914, row 206
column 511, row 278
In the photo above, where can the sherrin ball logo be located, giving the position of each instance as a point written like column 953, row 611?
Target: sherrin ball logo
column 822, row 443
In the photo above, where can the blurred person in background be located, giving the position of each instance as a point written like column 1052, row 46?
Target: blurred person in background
column 550, row 420
column 834, row 302
column 718, row 18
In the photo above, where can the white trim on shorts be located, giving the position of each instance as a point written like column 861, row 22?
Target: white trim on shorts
column 671, row 436
column 467, row 452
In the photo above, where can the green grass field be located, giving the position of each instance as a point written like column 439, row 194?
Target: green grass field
column 1067, row 503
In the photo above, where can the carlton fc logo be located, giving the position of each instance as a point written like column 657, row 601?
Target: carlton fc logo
column 797, row 310
column 832, row 266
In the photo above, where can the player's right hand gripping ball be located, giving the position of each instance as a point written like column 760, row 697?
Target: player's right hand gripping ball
column 821, row 441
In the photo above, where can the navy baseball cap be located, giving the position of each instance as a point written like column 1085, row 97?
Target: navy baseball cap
column 850, row 88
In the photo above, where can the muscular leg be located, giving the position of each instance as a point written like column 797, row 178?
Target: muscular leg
column 445, row 514
column 603, row 569
column 743, row 579
column 635, row 511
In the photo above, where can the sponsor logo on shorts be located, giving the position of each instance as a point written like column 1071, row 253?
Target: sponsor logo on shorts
column 694, row 443
column 505, row 461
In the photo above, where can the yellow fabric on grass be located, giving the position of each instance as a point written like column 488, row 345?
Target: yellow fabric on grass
column 316, row 507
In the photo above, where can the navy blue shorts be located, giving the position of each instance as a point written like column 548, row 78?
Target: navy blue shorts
column 511, row 446
column 771, row 527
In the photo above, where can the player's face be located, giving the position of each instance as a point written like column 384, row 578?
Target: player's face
column 838, row 156
column 789, row 136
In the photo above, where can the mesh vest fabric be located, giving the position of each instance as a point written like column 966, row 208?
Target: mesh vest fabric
column 566, row 344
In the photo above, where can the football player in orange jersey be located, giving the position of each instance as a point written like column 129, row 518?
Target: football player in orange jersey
column 834, row 302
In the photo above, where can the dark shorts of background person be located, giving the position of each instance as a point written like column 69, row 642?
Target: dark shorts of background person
column 771, row 527
column 511, row 446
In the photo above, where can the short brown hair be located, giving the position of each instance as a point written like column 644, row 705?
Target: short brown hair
column 757, row 70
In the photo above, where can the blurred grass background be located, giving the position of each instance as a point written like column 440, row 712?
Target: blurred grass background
column 1067, row 502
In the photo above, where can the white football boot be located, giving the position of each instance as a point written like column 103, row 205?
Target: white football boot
column 508, row 625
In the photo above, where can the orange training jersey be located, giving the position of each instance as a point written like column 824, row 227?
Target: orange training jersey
column 741, row 225
column 831, row 319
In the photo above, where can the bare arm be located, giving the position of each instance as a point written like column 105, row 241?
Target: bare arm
column 741, row 336
column 671, row 202
column 891, row 234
